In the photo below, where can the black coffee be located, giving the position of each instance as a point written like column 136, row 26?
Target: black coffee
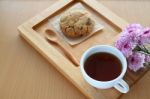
column 103, row 66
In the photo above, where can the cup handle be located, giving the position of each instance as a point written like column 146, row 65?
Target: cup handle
column 122, row 86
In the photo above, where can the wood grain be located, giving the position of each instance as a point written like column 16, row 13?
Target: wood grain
column 25, row 74
column 30, row 31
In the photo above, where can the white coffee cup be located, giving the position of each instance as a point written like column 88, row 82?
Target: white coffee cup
column 118, row 83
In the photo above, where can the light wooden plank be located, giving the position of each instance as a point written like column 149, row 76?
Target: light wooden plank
column 48, row 12
column 105, row 12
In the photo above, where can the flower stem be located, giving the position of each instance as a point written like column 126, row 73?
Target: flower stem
column 142, row 49
column 146, row 49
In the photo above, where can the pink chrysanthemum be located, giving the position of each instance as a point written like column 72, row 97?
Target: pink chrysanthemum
column 131, row 43
column 145, row 37
column 125, row 45
column 134, row 28
column 136, row 61
column 133, row 31
column 147, row 58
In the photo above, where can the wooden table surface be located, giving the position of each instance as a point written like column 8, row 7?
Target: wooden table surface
column 25, row 74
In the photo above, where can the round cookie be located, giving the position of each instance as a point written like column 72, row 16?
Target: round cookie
column 84, row 26
column 76, row 24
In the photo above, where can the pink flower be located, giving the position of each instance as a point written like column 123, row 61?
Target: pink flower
column 134, row 31
column 134, row 28
column 130, row 43
column 136, row 61
column 145, row 37
column 125, row 45
column 147, row 58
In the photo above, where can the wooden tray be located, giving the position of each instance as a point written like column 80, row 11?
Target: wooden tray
column 33, row 32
